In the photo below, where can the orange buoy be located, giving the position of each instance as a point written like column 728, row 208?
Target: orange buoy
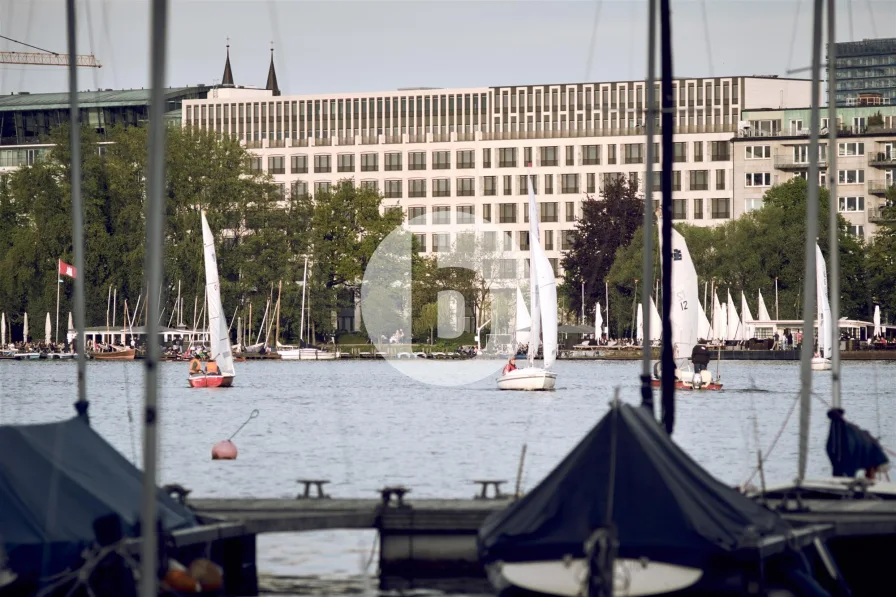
column 208, row 574
column 224, row 450
column 180, row 581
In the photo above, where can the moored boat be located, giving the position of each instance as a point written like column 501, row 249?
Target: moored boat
column 119, row 354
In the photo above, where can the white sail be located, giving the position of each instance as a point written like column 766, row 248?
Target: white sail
column 546, row 282
column 704, row 329
column 745, row 316
column 719, row 321
column 656, row 324
column 639, row 333
column 877, row 329
column 221, row 350
column 598, row 322
column 523, row 321
column 735, row 330
column 825, row 325
column 763, row 312
column 3, row 330
column 48, row 330
column 683, row 315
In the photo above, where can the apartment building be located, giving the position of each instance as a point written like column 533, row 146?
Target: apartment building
column 450, row 158
column 864, row 67
column 772, row 146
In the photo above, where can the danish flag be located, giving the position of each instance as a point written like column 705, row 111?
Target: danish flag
column 67, row 270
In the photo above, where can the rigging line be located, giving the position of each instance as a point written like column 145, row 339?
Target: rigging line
column 796, row 23
column 849, row 13
column 29, row 14
column 8, row 17
column 632, row 36
column 778, row 435
column 92, row 46
column 871, row 17
column 275, row 33
column 15, row 41
column 706, row 37
column 593, row 40
column 108, row 42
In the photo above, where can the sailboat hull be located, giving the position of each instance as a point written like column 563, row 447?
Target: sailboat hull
column 685, row 385
column 821, row 364
column 564, row 578
column 528, row 379
column 211, row 381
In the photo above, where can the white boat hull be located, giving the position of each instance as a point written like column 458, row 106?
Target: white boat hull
column 306, row 354
column 528, row 379
column 566, row 578
column 821, row 364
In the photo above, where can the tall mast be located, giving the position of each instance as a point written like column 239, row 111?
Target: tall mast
column 82, row 404
column 667, row 123
column 302, row 316
column 277, row 335
column 155, row 182
column 647, row 274
column 834, row 225
column 809, row 279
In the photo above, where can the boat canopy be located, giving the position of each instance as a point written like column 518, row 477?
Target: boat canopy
column 666, row 507
column 56, row 479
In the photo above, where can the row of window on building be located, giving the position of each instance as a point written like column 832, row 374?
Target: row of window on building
column 547, row 184
column 506, row 157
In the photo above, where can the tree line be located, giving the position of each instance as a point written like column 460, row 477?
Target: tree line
column 262, row 235
column 746, row 254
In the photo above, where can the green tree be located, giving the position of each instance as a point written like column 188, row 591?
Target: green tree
column 606, row 225
column 426, row 321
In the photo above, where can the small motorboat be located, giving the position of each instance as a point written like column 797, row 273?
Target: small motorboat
column 119, row 354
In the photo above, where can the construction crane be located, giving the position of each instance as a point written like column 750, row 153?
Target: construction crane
column 45, row 57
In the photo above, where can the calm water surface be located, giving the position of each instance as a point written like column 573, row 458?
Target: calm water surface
column 363, row 425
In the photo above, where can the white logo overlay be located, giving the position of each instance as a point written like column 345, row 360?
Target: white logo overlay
column 490, row 268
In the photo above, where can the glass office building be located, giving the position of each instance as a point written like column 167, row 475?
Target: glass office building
column 866, row 68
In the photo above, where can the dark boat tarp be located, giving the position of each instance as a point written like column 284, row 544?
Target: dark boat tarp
column 665, row 508
column 850, row 448
column 55, row 480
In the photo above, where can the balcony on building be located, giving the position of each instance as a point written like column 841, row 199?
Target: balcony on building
column 879, row 187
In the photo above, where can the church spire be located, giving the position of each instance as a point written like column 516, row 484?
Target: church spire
column 227, row 79
column 272, row 75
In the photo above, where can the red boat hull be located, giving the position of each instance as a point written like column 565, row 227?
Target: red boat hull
column 210, row 381
column 680, row 385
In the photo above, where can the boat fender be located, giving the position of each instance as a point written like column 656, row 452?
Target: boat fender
column 224, row 450
column 656, row 370
column 697, row 381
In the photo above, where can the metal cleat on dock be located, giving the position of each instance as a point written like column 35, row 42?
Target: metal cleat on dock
column 486, row 483
column 178, row 492
column 396, row 491
column 319, row 483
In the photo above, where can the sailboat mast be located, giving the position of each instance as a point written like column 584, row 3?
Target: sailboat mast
column 667, row 123
column 155, row 182
column 834, row 224
column 77, row 207
column 809, row 280
column 277, row 335
column 302, row 316
column 647, row 274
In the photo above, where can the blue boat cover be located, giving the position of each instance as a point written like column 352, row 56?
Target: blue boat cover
column 850, row 448
column 55, row 480
column 665, row 506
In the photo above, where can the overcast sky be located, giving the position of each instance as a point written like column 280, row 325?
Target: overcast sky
column 369, row 45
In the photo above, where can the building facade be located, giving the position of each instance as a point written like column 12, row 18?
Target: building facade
column 866, row 67
column 773, row 146
column 450, row 158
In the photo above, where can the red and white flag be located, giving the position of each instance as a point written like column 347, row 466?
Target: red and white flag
column 67, row 270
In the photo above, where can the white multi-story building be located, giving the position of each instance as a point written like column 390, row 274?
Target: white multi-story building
column 454, row 157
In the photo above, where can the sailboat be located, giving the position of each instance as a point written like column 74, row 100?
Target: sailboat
column 746, row 316
column 685, row 319
column 221, row 350
column 543, row 302
column 822, row 360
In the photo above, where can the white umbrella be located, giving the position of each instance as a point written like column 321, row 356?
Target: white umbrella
column 2, row 330
column 877, row 330
column 598, row 322
column 48, row 330
column 25, row 329
column 71, row 324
